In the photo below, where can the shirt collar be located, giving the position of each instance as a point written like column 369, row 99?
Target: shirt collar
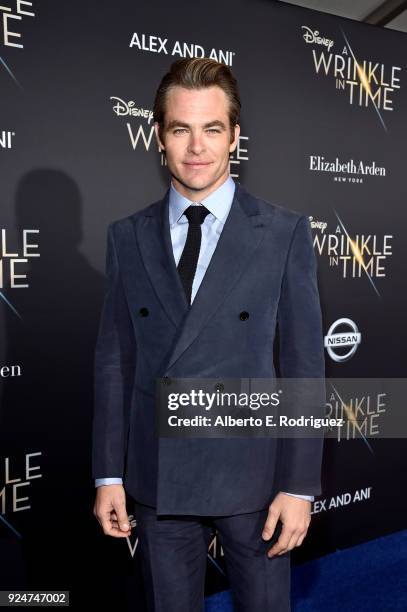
column 218, row 202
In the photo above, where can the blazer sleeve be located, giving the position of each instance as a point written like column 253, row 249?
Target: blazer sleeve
column 301, row 356
column 114, row 367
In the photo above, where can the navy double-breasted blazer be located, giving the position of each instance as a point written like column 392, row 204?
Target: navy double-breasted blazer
column 264, row 265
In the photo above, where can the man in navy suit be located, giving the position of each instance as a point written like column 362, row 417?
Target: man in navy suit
column 197, row 284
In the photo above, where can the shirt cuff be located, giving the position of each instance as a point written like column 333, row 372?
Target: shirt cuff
column 307, row 497
column 107, row 481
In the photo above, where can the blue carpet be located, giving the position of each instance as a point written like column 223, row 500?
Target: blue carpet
column 371, row 577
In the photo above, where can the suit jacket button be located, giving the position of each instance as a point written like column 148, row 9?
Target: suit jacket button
column 219, row 387
column 166, row 380
column 143, row 311
column 244, row 315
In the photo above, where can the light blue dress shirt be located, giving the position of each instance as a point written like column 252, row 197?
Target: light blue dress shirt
column 218, row 203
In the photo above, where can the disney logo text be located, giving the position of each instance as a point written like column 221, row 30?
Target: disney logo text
column 314, row 37
column 122, row 108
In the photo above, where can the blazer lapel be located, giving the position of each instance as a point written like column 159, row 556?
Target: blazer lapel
column 154, row 239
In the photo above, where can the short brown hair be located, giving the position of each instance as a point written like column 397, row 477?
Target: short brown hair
column 197, row 73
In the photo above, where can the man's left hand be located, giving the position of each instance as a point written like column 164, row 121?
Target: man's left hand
column 295, row 515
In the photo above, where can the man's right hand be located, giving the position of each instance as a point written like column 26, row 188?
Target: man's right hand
column 110, row 510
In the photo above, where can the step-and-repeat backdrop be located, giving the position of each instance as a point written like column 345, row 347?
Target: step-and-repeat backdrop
column 323, row 131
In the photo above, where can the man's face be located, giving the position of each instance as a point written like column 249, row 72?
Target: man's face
column 197, row 139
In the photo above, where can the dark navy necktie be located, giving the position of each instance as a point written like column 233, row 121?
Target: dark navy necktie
column 189, row 258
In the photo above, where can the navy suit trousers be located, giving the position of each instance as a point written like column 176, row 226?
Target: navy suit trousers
column 174, row 554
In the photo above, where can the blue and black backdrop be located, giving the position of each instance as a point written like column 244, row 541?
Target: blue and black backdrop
column 323, row 131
